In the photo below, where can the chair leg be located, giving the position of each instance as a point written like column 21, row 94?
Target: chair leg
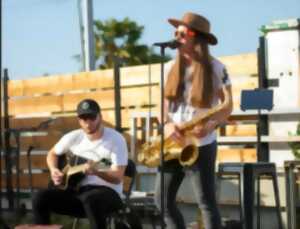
column 258, row 203
column 75, row 222
column 249, row 196
column 276, row 194
column 110, row 223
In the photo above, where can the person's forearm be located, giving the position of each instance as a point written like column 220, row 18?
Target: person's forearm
column 110, row 176
column 51, row 161
column 115, row 175
column 222, row 116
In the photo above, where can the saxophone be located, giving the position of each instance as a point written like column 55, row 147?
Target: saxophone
column 186, row 151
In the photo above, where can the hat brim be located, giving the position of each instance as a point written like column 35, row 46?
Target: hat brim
column 87, row 112
column 210, row 37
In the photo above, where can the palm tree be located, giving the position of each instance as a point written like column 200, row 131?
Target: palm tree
column 120, row 39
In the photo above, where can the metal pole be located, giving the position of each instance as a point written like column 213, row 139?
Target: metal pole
column 2, row 222
column 117, row 93
column 162, row 140
column 8, row 162
column 262, row 120
column 87, row 16
column 1, row 143
column 81, row 29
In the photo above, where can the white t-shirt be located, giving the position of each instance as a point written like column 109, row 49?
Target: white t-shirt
column 185, row 111
column 111, row 146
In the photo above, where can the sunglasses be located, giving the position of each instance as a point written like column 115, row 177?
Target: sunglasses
column 184, row 34
column 91, row 117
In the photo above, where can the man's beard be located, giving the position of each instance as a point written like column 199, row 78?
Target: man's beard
column 95, row 129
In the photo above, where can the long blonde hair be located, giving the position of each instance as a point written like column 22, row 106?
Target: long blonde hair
column 202, row 77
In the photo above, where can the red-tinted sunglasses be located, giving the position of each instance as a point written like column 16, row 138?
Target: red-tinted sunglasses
column 182, row 34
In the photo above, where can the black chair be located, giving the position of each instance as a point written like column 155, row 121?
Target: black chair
column 124, row 218
column 248, row 174
column 291, row 169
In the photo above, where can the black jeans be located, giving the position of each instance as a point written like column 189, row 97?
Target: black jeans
column 93, row 202
column 202, row 175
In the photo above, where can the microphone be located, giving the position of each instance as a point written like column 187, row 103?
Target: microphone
column 172, row 44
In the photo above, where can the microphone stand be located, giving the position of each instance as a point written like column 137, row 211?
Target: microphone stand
column 162, row 140
column 171, row 44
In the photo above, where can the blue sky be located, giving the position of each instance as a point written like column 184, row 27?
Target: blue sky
column 42, row 36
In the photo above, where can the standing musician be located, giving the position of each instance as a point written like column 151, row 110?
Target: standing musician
column 195, row 83
column 98, row 193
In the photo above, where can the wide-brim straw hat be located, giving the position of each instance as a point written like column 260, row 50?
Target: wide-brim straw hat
column 198, row 23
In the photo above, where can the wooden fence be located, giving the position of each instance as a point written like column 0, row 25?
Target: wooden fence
column 35, row 100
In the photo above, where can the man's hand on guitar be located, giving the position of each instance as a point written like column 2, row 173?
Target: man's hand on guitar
column 56, row 176
column 203, row 129
column 89, row 168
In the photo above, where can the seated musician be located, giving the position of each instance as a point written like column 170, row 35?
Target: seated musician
column 97, row 194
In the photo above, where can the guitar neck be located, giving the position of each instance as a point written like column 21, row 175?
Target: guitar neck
column 76, row 169
column 80, row 168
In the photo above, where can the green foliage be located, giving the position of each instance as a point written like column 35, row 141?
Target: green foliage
column 119, row 39
column 295, row 146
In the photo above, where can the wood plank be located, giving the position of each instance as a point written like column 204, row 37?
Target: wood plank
column 38, row 161
column 15, row 88
column 140, row 75
column 46, row 142
column 130, row 97
column 238, row 65
column 109, row 116
column 236, row 155
column 57, row 123
column 40, row 85
column 60, row 103
column 241, row 130
column 40, row 142
column 274, row 139
column 105, row 98
column 253, row 139
column 250, row 114
column 39, row 180
column 61, row 83
column 35, row 104
column 139, row 96
column 242, row 64
column 62, row 125
column 95, row 79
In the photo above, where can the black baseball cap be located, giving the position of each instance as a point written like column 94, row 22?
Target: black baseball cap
column 88, row 107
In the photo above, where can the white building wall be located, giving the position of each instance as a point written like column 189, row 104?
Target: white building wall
column 282, row 60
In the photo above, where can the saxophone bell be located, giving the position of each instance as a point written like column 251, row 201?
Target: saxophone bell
column 189, row 155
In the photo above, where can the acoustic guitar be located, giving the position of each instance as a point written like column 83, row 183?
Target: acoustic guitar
column 74, row 174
